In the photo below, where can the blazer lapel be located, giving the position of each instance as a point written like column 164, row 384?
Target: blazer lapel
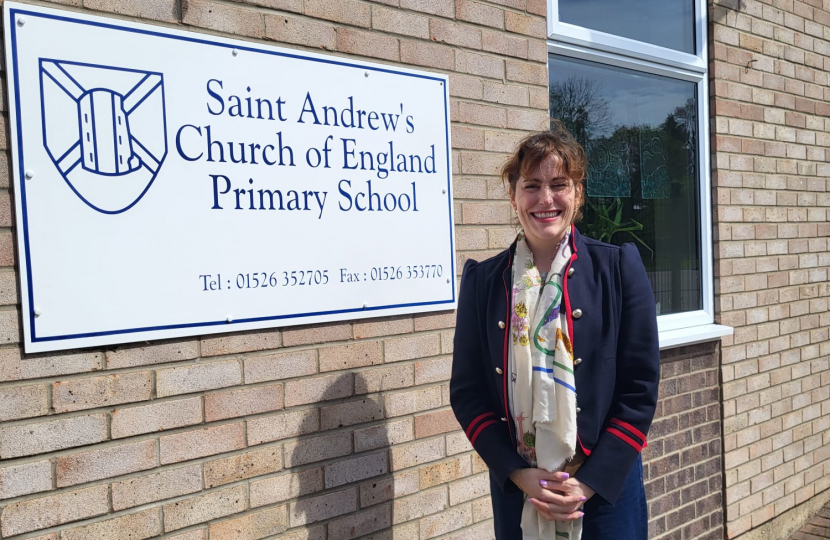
column 498, row 310
column 497, row 321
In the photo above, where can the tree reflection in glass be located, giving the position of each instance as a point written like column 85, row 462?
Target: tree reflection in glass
column 640, row 132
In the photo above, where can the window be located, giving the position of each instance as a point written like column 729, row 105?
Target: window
column 640, row 132
column 629, row 80
column 636, row 20
column 666, row 32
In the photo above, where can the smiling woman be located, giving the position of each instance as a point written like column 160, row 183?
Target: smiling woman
column 545, row 179
column 556, row 314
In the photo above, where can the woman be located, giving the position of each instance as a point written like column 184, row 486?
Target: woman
column 556, row 361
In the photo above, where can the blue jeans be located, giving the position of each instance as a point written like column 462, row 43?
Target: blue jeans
column 627, row 519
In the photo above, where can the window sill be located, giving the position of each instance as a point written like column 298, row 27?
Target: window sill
column 692, row 335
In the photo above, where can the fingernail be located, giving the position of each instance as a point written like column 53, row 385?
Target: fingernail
column 581, row 514
column 583, row 498
column 543, row 483
column 565, row 476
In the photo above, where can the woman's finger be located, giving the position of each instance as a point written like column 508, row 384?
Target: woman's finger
column 554, row 513
column 553, row 485
column 567, row 486
column 558, row 499
column 542, row 508
column 557, row 476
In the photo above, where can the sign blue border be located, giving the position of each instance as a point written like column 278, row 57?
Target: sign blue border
column 15, row 12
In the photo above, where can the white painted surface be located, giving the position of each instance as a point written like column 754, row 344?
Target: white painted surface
column 122, row 236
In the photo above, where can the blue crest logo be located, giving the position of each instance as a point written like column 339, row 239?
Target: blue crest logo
column 105, row 129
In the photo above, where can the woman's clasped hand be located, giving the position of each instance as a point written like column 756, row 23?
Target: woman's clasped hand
column 556, row 496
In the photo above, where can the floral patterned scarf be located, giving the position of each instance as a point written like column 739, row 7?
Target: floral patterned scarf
column 543, row 392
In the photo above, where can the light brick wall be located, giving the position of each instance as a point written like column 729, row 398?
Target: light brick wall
column 333, row 431
column 770, row 134
column 344, row 430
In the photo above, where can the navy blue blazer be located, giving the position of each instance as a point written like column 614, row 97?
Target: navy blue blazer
column 612, row 325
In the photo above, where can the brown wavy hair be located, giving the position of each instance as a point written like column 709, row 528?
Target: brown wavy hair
column 534, row 148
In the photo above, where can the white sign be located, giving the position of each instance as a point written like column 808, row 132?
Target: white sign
column 172, row 184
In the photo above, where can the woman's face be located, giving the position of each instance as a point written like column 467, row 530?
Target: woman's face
column 546, row 203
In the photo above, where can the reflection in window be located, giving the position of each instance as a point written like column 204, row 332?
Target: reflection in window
column 640, row 132
column 635, row 19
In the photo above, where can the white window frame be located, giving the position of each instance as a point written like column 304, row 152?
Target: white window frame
column 602, row 48
column 594, row 39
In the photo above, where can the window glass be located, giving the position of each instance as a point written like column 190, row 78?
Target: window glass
column 636, row 19
column 640, row 132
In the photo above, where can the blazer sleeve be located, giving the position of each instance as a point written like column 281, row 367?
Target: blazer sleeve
column 475, row 408
column 635, row 387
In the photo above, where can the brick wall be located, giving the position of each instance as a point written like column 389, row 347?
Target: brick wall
column 333, row 431
column 682, row 465
column 770, row 134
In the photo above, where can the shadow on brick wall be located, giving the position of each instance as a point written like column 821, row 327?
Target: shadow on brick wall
column 723, row 7
column 346, row 490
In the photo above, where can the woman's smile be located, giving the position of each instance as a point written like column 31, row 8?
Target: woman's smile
column 547, row 217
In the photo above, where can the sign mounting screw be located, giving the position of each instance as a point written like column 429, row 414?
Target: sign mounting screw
column 21, row 21
column 235, row 52
column 365, row 305
column 448, row 280
column 37, row 312
column 29, row 174
column 365, row 73
column 229, row 319
column 444, row 191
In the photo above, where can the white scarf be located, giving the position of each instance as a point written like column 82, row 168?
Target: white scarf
column 543, row 392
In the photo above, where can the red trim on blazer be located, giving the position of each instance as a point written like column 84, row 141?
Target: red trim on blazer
column 626, row 438
column 480, row 429
column 634, row 431
column 567, row 301
column 585, row 451
column 565, row 295
column 506, row 334
column 476, row 420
